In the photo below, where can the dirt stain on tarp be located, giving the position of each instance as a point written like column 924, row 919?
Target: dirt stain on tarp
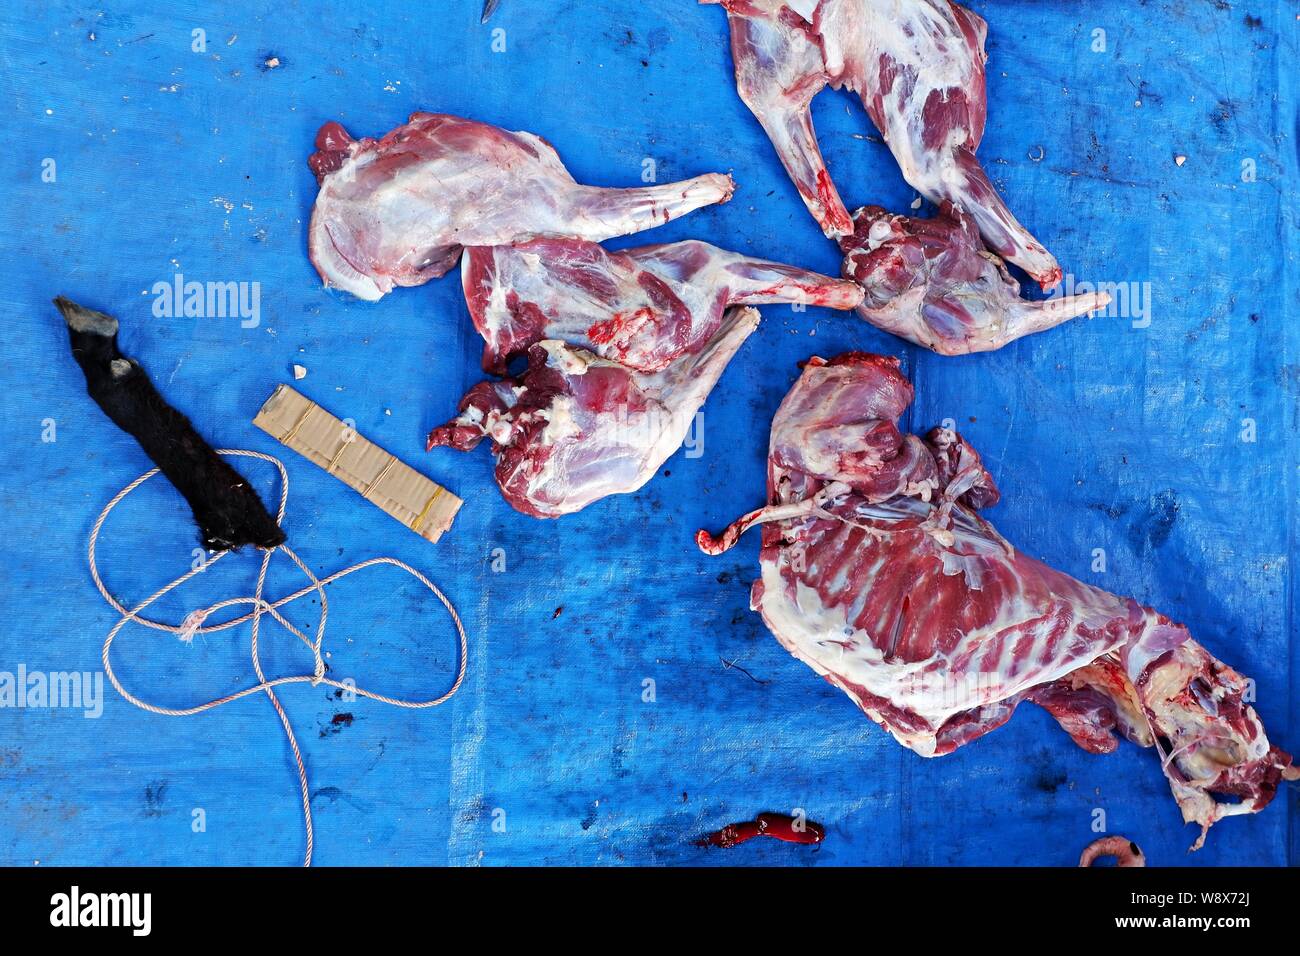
column 154, row 794
column 1152, row 529
column 1222, row 115
column 1050, row 781
column 269, row 60
column 1110, row 509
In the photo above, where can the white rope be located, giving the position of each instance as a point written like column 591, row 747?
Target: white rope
column 194, row 624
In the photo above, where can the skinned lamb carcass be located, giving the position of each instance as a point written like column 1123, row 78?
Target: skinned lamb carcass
column 933, row 282
column 397, row 211
column 575, row 427
column 917, row 65
column 641, row 308
column 878, row 573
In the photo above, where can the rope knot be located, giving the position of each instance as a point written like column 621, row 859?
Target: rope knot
column 190, row 626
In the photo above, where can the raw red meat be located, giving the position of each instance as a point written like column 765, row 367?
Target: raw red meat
column 933, row 282
column 576, row 427
column 879, row 574
column 779, row 826
column 642, row 308
column 918, row 66
column 398, row 211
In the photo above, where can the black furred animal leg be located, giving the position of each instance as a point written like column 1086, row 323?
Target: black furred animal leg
column 228, row 511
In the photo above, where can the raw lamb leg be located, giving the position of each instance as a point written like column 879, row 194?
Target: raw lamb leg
column 642, row 308
column 877, row 572
column 917, row 65
column 933, row 282
column 779, row 69
column 398, row 211
column 575, row 427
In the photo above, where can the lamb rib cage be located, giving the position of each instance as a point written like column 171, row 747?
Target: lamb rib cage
column 879, row 573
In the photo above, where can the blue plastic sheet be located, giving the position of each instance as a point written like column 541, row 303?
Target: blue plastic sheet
column 1111, row 433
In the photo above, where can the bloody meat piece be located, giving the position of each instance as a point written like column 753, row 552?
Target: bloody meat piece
column 879, row 573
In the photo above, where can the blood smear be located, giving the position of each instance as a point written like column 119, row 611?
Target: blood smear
column 775, row 825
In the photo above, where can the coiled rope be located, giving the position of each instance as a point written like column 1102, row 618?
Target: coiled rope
column 194, row 624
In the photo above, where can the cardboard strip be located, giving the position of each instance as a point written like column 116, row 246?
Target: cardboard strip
column 299, row 423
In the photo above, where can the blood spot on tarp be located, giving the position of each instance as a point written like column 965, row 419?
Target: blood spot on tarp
column 336, row 724
column 1252, row 22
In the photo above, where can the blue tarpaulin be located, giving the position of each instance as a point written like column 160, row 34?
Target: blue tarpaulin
column 1150, row 145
